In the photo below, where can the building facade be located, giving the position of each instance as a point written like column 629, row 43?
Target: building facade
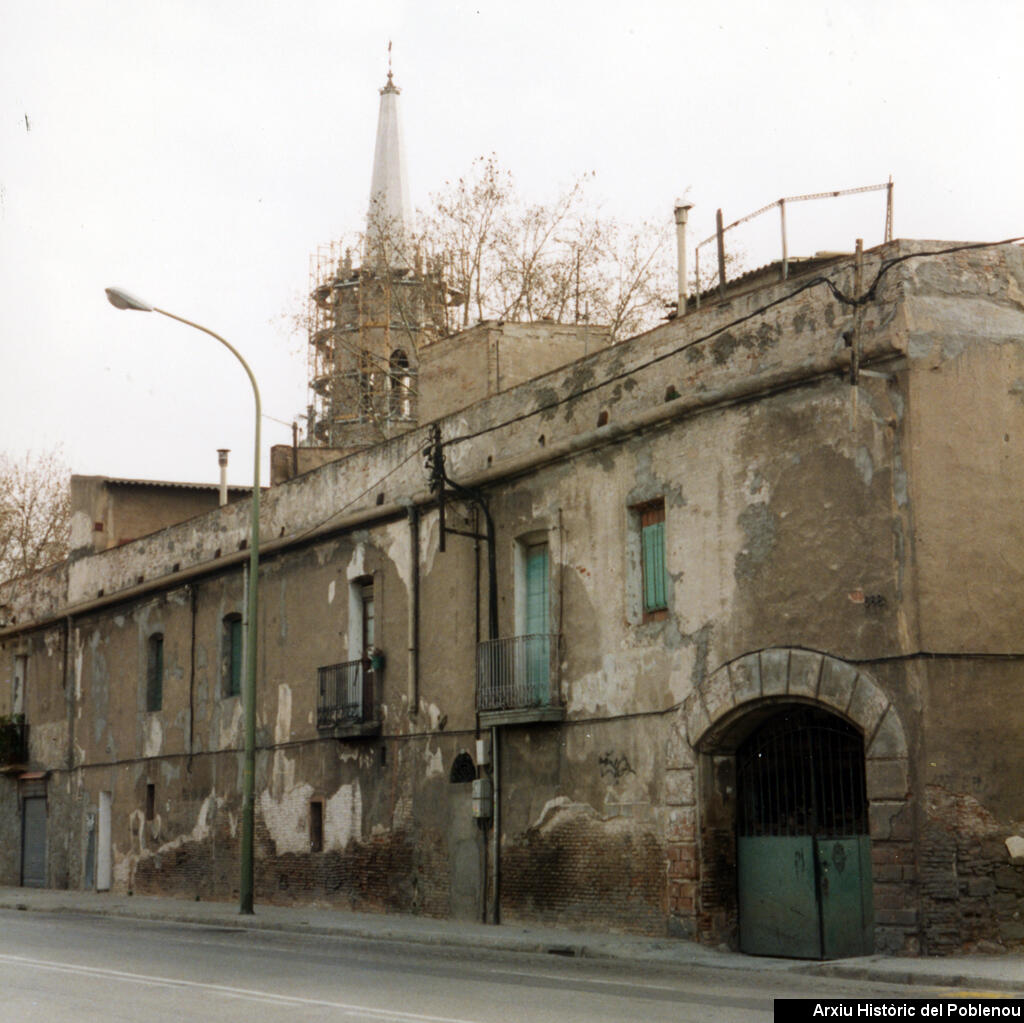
column 704, row 634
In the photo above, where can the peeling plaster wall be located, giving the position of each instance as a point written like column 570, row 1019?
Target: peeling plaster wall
column 876, row 524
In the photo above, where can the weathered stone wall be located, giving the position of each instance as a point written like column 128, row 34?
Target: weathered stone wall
column 491, row 357
column 851, row 547
column 972, row 893
column 10, row 831
column 584, row 825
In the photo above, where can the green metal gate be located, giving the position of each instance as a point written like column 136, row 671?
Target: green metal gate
column 804, row 856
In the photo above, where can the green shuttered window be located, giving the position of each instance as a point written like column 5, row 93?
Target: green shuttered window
column 537, row 614
column 232, row 655
column 652, row 548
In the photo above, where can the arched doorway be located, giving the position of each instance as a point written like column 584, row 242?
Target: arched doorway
column 724, row 710
column 803, row 851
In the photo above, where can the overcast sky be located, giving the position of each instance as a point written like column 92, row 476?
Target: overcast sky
column 196, row 152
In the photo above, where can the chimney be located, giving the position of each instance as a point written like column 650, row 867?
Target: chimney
column 682, row 212
column 222, row 461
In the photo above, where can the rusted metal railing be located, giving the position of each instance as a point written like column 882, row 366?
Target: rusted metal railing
column 345, row 693
column 719, row 235
column 518, row 672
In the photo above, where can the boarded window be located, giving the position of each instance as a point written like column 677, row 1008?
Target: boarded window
column 155, row 672
column 652, row 551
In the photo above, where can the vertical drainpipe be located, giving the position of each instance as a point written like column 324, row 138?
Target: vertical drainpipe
column 414, row 609
column 69, row 692
column 492, row 633
column 496, row 825
column 222, row 461
column 193, row 601
column 682, row 210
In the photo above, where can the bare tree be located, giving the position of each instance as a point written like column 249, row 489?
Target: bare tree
column 35, row 512
column 559, row 260
column 481, row 252
column 462, row 228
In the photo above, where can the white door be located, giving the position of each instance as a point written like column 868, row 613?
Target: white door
column 104, row 857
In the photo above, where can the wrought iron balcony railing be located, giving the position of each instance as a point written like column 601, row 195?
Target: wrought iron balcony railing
column 13, row 740
column 345, row 694
column 518, row 673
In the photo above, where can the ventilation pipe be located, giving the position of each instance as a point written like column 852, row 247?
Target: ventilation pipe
column 222, row 461
column 682, row 212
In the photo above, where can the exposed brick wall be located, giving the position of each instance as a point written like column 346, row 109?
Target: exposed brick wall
column 972, row 897
column 718, row 919
column 578, row 870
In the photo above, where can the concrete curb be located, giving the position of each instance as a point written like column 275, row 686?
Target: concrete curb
column 899, row 971
column 1003, row 974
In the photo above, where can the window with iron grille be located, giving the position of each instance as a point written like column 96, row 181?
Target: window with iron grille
column 802, row 773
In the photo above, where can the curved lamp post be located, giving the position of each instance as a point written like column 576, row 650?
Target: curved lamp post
column 123, row 300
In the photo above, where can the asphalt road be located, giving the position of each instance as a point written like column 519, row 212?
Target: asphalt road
column 59, row 969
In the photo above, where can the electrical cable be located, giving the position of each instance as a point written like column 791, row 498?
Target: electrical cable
column 813, row 282
column 415, row 453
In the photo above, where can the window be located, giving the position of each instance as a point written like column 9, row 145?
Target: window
column 155, row 672
column 362, row 618
column 463, row 769
column 652, row 560
column 369, row 617
column 537, row 604
column 399, row 386
column 18, row 683
column 532, row 652
column 316, row 826
column 231, row 655
column 150, row 801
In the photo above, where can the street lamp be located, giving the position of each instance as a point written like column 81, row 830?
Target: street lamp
column 123, row 300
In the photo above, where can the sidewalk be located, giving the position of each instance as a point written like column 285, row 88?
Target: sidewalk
column 972, row 973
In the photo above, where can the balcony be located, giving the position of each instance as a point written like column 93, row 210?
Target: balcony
column 347, row 700
column 517, row 680
column 13, row 741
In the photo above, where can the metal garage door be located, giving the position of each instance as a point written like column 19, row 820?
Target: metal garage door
column 33, row 842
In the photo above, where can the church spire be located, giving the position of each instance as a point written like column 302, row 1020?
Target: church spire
column 389, row 220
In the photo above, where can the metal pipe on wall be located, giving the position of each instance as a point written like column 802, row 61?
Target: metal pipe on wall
column 496, row 825
column 682, row 211
column 222, row 461
column 414, row 609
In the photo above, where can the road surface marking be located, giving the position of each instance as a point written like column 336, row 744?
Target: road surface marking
column 235, row 992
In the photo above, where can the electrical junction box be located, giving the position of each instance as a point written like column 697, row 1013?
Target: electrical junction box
column 482, row 802
column 483, row 752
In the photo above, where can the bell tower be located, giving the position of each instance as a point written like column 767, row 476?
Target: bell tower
column 369, row 322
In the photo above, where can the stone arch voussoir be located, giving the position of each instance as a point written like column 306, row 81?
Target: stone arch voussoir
column 717, row 715
column 780, row 674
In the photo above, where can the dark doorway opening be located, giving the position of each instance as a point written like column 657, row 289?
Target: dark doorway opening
column 803, row 852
